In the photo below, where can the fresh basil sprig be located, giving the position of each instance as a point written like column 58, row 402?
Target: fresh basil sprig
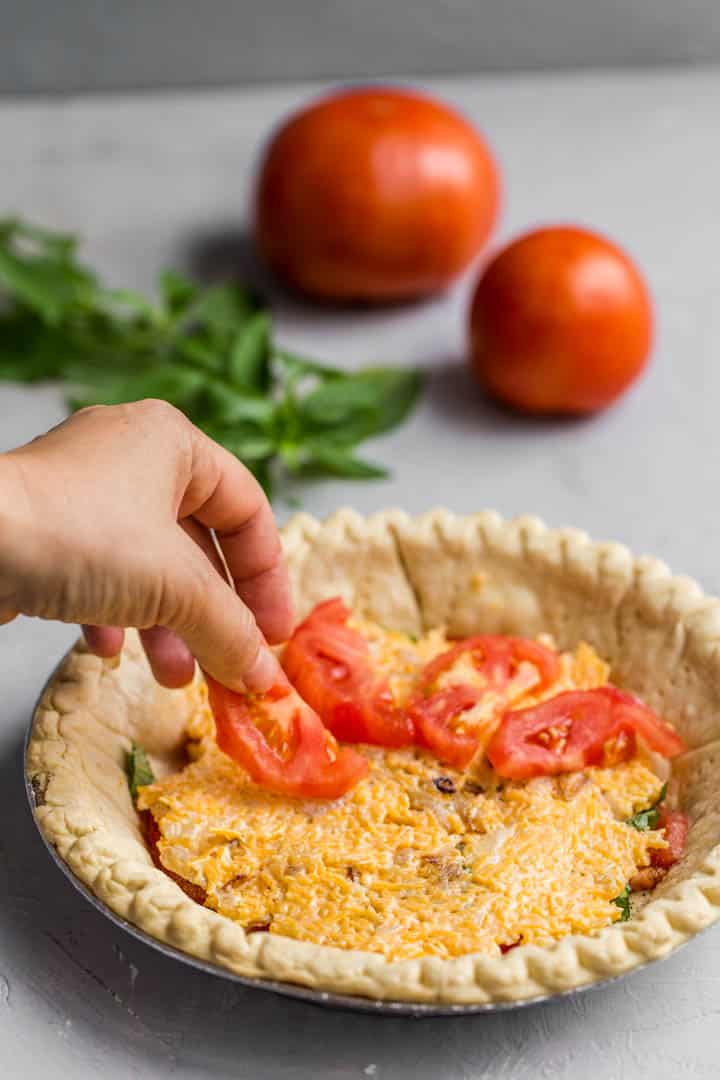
column 623, row 902
column 650, row 818
column 207, row 350
column 138, row 769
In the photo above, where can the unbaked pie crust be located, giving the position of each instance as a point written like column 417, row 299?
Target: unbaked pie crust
column 473, row 574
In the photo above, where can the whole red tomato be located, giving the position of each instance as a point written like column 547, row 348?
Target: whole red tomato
column 375, row 194
column 561, row 322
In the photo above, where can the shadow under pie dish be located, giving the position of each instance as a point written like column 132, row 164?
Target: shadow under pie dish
column 445, row 828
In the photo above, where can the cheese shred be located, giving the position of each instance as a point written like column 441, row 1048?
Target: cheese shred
column 418, row 859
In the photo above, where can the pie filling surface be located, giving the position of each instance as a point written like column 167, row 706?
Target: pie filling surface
column 419, row 858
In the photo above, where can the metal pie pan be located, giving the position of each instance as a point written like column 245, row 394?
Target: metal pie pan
column 323, row 998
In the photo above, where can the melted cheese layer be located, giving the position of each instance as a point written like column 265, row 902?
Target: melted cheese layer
column 398, row 866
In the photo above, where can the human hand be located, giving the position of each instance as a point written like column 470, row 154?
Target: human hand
column 104, row 521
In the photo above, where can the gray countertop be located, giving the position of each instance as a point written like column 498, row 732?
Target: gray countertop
column 158, row 180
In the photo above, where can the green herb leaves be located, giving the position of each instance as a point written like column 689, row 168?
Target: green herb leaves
column 138, row 769
column 650, row 818
column 623, row 902
column 643, row 820
column 38, row 268
column 208, row 351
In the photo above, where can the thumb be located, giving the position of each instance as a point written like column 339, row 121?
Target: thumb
column 216, row 625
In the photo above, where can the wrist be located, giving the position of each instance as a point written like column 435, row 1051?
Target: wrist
column 15, row 526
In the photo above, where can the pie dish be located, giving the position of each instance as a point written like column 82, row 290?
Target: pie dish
column 474, row 574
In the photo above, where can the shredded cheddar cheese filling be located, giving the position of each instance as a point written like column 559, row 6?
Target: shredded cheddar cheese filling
column 418, row 859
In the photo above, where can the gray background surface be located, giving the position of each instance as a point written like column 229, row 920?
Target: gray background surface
column 68, row 45
column 165, row 180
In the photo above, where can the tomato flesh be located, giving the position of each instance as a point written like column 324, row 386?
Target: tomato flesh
column 329, row 664
column 282, row 744
column 646, row 724
column 151, row 831
column 432, row 722
column 676, row 826
column 437, row 712
column 576, row 729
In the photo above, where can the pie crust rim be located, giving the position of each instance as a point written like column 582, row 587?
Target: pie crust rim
column 477, row 573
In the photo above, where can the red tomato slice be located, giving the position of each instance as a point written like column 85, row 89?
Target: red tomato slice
column 151, row 831
column 650, row 727
column 282, row 744
column 497, row 658
column 329, row 664
column 676, row 826
column 437, row 712
column 575, row 729
column 432, row 722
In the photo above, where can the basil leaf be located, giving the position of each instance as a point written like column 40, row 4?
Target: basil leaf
column 200, row 353
column 29, row 349
column 208, row 351
column 60, row 245
column 650, row 818
column 138, row 769
column 222, row 309
column 227, row 406
column 136, row 302
column 363, row 404
column 177, row 385
column 248, row 446
column 249, row 359
column 296, row 365
column 44, row 285
column 176, row 291
column 335, row 461
column 37, row 267
column 623, row 902
column 646, row 819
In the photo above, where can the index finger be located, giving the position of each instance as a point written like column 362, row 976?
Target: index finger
column 223, row 495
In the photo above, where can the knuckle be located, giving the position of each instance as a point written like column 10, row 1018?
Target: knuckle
column 91, row 410
column 158, row 411
column 154, row 417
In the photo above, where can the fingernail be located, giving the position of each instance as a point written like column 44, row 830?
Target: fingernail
column 264, row 673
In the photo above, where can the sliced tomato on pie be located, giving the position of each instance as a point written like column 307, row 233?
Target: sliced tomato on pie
column 151, row 831
column 647, row 725
column 499, row 666
column 676, row 826
column 575, row 729
column 433, row 718
column 282, row 743
column 329, row 664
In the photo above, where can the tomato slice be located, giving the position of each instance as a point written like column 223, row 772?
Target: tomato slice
column 282, row 744
column 437, row 711
column 575, row 729
column 152, row 834
column 676, row 826
column 330, row 666
column 432, row 721
column 497, row 658
column 651, row 728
